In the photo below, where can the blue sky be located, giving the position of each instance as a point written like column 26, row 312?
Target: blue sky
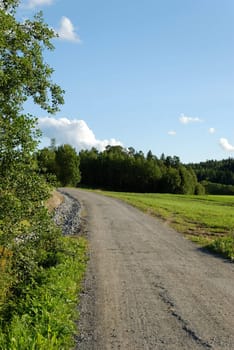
column 152, row 74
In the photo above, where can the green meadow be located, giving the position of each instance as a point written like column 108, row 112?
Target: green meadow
column 207, row 220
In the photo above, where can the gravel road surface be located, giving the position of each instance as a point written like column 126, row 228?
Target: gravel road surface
column 147, row 287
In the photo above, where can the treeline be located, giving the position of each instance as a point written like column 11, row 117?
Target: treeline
column 217, row 171
column 120, row 169
column 123, row 169
column 217, row 176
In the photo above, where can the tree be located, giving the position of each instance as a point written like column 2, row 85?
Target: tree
column 90, row 167
column 171, row 181
column 47, row 163
column 23, row 75
column 67, row 163
column 26, row 231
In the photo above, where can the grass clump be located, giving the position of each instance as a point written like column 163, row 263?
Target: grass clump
column 45, row 316
column 223, row 246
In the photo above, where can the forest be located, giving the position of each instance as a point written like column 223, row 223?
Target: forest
column 125, row 169
column 215, row 171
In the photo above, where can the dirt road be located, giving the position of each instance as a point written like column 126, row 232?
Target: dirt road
column 147, row 287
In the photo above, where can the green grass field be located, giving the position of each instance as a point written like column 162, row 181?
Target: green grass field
column 208, row 220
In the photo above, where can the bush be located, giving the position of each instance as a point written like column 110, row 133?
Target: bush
column 199, row 189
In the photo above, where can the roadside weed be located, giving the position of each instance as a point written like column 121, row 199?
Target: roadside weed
column 45, row 319
column 224, row 246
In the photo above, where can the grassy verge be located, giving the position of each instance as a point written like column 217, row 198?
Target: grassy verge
column 46, row 318
column 207, row 220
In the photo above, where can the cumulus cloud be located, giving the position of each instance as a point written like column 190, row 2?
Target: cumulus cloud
column 172, row 132
column 36, row 3
column 73, row 132
column 186, row 120
column 67, row 30
column 211, row 130
column 224, row 143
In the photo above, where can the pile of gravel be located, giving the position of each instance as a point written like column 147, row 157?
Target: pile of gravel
column 67, row 215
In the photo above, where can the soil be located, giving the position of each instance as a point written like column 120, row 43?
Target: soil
column 54, row 201
column 147, row 287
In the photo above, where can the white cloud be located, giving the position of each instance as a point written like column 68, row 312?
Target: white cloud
column 73, row 132
column 36, row 3
column 212, row 130
column 172, row 132
column 186, row 120
column 224, row 143
column 67, row 31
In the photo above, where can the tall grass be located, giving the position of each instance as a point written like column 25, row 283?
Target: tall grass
column 45, row 319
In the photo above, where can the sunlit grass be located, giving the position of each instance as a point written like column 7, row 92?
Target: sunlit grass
column 46, row 318
column 207, row 220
